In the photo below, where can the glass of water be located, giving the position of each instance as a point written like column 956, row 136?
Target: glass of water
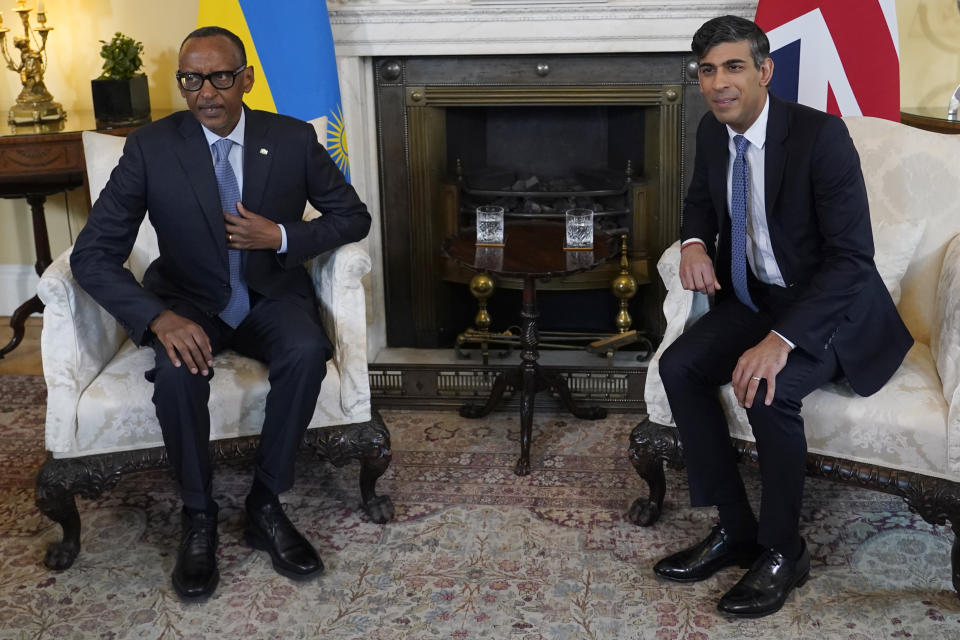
column 490, row 226
column 579, row 229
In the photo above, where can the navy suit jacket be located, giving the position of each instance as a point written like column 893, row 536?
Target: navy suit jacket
column 167, row 170
column 819, row 222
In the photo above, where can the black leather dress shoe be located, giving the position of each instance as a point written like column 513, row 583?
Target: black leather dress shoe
column 195, row 575
column 765, row 588
column 269, row 529
column 708, row 556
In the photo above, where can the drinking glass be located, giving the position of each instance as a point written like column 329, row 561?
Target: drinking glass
column 490, row 226
column 579, row 229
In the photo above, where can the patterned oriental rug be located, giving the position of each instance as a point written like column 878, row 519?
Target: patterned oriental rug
column 474, row 551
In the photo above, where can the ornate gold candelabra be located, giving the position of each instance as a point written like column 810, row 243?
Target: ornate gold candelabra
column 34, row 104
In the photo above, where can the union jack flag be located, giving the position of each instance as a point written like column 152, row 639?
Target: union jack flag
column 842, row 57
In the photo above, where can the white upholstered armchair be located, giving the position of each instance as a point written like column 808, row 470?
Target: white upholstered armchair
column 101, row 421
column 904, row 439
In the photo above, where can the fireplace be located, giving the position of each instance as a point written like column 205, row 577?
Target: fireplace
column 536, row 134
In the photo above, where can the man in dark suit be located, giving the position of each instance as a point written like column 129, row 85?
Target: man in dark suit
column 776, row 227
column 229, row 275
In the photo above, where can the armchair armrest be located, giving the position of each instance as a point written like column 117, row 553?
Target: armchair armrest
column 337, row 278
column 945, row 345
column 78, row 339
column 681, row 308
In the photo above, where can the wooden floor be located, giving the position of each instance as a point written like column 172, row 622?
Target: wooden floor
column 25, row 359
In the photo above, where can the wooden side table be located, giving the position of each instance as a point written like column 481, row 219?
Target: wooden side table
column 929, row 118
column 533, row 251
column 37, row 161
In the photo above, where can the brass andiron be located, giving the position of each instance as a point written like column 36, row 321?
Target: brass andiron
column 34, row 104
column 624, row 287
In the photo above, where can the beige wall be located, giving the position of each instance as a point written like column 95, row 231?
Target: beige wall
column 929, row 51
column 73, row 60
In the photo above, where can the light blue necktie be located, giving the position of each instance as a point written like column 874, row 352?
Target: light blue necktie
column 738, row 232
column 239, row 305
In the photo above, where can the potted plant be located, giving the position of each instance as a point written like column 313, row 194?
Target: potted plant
column 120, row 94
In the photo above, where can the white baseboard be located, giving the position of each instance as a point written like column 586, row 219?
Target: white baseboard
column 18, row 283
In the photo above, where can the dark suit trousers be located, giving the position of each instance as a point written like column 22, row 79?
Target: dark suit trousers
column 292, row 342
column 701, row 360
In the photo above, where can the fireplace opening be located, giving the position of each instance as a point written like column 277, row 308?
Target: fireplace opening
column 537, row 162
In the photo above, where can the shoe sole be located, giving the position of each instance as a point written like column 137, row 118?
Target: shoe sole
column 766, row 612
column 254, row 540
column 202, row 596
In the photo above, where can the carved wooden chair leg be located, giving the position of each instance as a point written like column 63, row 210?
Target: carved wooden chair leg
column 651, row 445
column 372, row 466
column 366, row 442
column 58, row 481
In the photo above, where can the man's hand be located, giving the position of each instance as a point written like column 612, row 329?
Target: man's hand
column 251, row 231
column 762, row 362
column 696, row 270
column 184, row 339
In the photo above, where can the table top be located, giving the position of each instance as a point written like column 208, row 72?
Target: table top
column 533, row 249
column 929, row 118
column 76, row 121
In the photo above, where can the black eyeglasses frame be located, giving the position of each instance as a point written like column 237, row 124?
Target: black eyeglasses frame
column 181, row 77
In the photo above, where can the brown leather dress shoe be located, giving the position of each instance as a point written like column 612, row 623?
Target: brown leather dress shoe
column 708, row 556
column 269, row 529
column 195, row 575
column 765, row 588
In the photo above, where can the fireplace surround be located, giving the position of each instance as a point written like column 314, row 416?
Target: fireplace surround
column 368, row 34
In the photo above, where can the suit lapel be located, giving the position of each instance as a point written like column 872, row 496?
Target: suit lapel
column 720, row 157
column 257, row 157
column 197, row 163
column 775, row 155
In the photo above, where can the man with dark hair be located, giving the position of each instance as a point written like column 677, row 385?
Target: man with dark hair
column 227, row 277
column 776, row 227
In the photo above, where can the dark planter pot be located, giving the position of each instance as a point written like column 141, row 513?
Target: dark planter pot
column 121, row 102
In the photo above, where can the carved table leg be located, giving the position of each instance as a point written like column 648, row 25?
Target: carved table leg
column 496, row 393
column 557, row 383
column 529, row 339
column 650, row 445
column 41, row 245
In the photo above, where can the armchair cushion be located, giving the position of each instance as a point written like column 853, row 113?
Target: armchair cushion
column 894, row 246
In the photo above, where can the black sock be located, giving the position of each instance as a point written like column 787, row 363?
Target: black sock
column 261, row 495
column 211, row 510
column 738, row 521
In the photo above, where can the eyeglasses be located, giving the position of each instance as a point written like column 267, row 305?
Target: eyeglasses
column 219, row 79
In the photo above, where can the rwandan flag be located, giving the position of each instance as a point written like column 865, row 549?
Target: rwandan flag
column 290, row 46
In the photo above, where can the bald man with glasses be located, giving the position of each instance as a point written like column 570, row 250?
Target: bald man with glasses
column 225, row 187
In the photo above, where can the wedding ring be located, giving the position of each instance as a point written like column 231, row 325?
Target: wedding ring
column 229, row 237
column 756, row 378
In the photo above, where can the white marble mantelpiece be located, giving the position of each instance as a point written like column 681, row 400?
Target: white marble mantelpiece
column 459, row 27
column 364, row 29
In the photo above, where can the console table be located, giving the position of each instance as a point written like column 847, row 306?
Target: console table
column 533, row 251
column 36, row 161
column 929, row 118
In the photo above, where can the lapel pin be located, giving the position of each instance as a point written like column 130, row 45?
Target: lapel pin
column 263, row 151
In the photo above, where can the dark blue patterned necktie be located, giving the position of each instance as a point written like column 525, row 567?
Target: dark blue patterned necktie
column 738, row 232
column 239, row 305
